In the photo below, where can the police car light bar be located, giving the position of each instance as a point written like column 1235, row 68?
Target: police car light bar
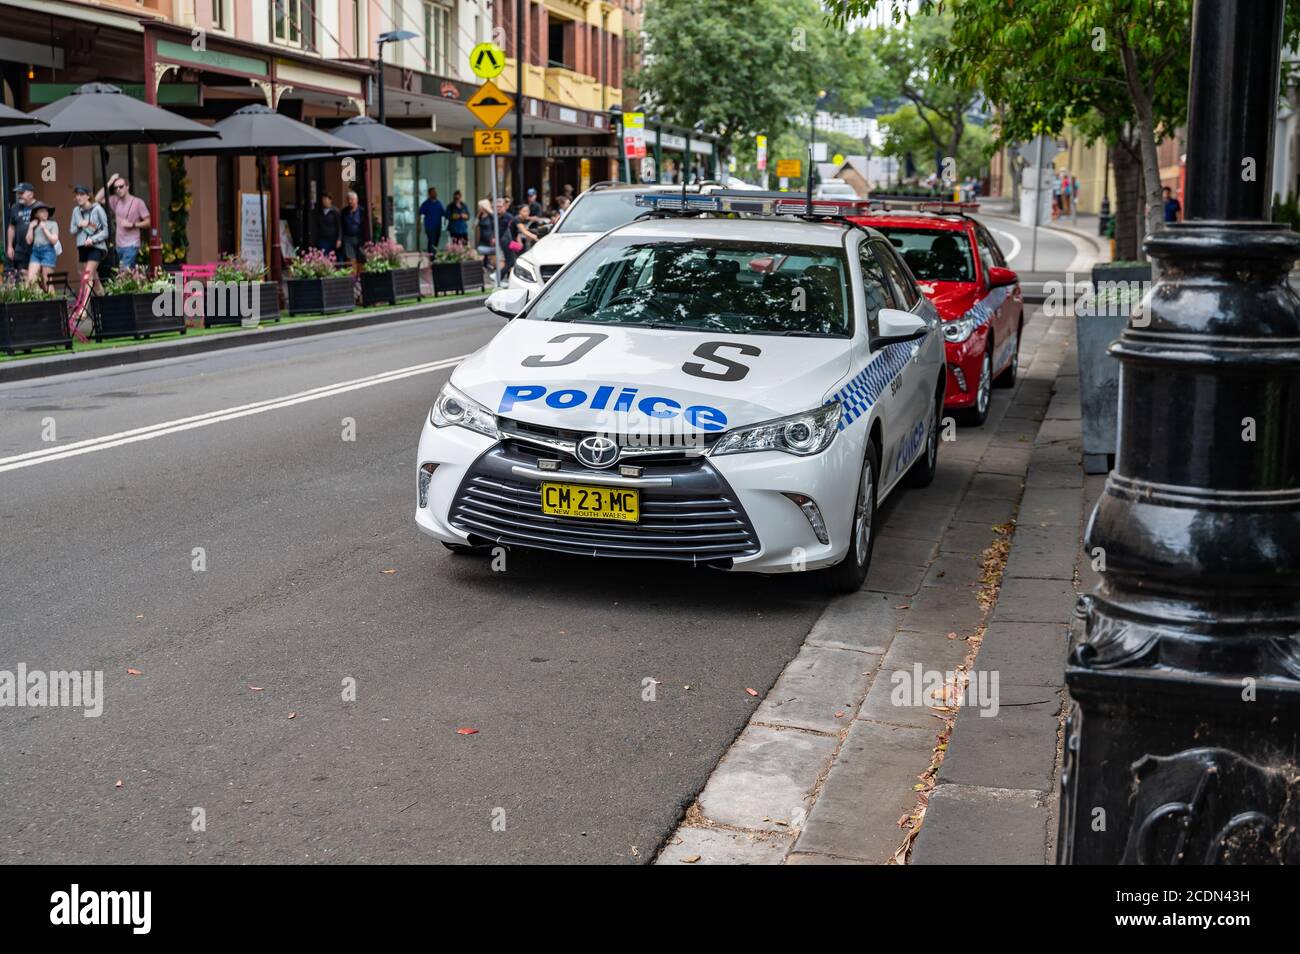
column 750, row 202
column 959, row 208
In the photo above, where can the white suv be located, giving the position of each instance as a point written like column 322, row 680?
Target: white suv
column 602, row 207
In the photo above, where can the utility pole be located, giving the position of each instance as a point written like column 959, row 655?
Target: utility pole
column 519, row 100
column 1186, row 679
column 390, row 37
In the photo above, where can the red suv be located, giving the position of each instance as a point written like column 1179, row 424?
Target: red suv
column 960, row 268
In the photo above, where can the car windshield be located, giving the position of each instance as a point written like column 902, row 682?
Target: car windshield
column 932, row 254
column 703, row 285
column 601, row 211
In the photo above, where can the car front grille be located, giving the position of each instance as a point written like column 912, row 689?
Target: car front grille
column 697, row 519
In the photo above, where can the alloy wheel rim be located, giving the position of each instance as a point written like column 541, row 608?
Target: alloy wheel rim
column 862, row 519
column 986, row 372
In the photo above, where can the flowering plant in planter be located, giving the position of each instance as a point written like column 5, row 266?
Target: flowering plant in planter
column 232, row 268
column 453, row 254
column 135, row 281
column 382, row 256
column 16, row 292
column 313, row 263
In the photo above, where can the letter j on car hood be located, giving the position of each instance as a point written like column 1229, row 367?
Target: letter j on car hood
column 607, row 377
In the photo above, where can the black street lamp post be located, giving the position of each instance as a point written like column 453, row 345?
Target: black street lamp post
column 1182, row 747
column 391, row 36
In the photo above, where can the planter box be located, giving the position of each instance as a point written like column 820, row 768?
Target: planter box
column 400, row 284
column 266, row 299
column 458, row 276
column 123, row 316
column 327, row 295
column 25, row 325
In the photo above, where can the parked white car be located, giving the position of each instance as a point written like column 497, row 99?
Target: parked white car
column 737, row 392
column 603, row 207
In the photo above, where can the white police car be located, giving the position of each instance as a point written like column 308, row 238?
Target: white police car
column 734, row 392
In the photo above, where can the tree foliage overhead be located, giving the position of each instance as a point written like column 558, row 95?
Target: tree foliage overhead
column 749, row 67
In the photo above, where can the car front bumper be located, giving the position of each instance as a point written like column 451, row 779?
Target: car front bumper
column 732, row 511
column 964, row 360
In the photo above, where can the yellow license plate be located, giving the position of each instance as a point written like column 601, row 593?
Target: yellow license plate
column 591, row 503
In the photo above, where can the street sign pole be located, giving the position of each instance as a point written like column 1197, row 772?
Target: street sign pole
column 1038, row 202
column 1180, row 749
column 496, row 229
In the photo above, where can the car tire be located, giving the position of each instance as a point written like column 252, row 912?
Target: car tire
column 922, row 471
column 978, row 413
column 849, row 574
column 1007, row 379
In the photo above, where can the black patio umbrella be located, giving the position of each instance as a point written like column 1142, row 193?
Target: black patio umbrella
column 257, row 130
column 99, row 114
column 13, row 117
column 373, row 140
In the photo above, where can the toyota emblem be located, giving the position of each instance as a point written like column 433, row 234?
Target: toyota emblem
column 597, row 451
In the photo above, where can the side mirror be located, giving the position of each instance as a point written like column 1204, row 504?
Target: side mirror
column 897, row 327
column 1002, row 276
column 507, row 302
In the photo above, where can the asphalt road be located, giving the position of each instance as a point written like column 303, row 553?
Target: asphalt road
column 1057, row 251
column 315, row 574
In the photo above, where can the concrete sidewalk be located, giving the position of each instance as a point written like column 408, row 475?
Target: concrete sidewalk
column 835, row 762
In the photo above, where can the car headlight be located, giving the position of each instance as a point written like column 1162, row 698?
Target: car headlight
column 958, row 330
column 454, row 407
column 524, row 272
column 800, row 434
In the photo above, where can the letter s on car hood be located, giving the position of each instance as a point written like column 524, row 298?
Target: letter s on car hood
column 521, row 373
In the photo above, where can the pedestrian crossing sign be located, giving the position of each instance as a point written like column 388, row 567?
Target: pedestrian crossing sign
column 487, row 60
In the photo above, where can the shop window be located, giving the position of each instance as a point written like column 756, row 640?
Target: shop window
column 219, row 18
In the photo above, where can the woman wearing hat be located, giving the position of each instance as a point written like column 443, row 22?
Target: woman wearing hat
column 43, row 237
column 90, row 235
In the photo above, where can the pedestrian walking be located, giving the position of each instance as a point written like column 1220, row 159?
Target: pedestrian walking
column 89, row 231
column 329, row 227
column 457, row 220
column 486, row 235
column 353, row 223
column 432, row 212
column 17, row 248
column 43, row 239
column 130, row 215
column 1173, row 208
column 1074, row 200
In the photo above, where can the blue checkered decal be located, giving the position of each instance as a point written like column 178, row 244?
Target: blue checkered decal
column 860, row 393
column 983, row 310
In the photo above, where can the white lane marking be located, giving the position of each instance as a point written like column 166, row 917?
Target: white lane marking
column 1015, row 243
column 93, row 444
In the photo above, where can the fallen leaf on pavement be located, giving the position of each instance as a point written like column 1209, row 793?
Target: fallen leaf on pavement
column 691, row 860
column 952, row 635
column 119, row 784
column 839, row 714
column 752, row 692
column 388, row 572
column 133, row 672
column 466, row 730
column 904, row 606
column 293, row 715
column 257, row 688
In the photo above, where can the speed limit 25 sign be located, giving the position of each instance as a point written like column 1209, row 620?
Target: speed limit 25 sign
column 491, row 142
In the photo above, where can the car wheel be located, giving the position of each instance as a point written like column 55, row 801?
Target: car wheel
column 921, row 473
column 977, row 414
column 1007, row 379
column 849, row 574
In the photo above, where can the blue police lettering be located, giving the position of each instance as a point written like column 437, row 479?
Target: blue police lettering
column 701, row 416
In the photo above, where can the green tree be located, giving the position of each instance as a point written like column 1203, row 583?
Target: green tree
column 738, row 69
column 906, row 132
